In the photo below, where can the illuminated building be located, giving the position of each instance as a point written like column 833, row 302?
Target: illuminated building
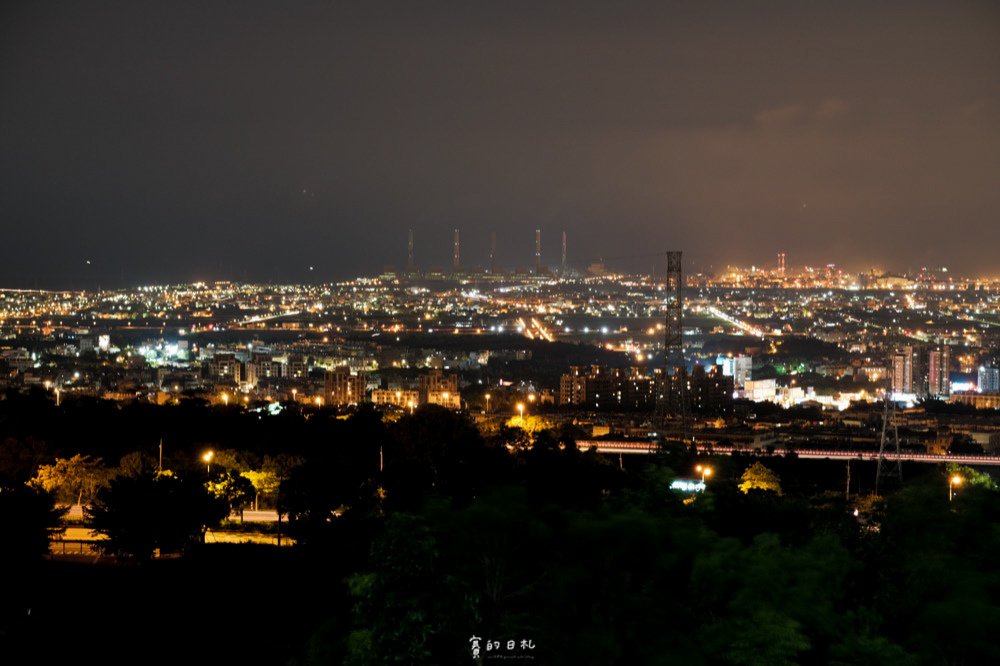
column 708, row 390
column 451, row 400
column 977, row 400
column 760, row 390
column 988, row 380
column 737, row 367
column 599, row 386
column 902, row 370
column 938, row 376
column 435, row 384
column 343, row 388
column 225, row 367
column 573, row 387
column 261, row 367
column 401, row 398
column 294, row 367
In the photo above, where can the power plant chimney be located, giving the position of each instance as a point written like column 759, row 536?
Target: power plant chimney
column 457, row 259
column 409, row 254
column 493, row 252
column 538, row 251
column 564, row 254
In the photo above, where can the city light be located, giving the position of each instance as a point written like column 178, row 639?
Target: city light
column 954, row 481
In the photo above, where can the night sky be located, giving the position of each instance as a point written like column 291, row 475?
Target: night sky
column 250, row 140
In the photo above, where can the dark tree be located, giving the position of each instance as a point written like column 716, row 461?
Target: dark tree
column 29, row 518
column 233, row 488
column 140, row 514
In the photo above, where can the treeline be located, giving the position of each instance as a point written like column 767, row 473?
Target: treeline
column 431, row 539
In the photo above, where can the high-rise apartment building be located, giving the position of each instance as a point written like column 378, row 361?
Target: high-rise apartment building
column 988, row 380
column 737, row 367
column 938, row 375
column 902, row 370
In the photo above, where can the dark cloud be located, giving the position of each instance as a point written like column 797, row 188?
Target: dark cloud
column 182, row 140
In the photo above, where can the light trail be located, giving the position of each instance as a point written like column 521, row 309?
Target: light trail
column 743, row 326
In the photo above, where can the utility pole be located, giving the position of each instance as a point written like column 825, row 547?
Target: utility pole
column 847, row 494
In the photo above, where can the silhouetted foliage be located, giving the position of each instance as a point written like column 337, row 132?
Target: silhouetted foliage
column 232, row 487
column 29, row 519
column 416, row 535
column 140, row 514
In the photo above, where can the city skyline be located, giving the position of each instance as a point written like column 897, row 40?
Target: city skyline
column 453, row 258
column 454, row 333
column 191, row 142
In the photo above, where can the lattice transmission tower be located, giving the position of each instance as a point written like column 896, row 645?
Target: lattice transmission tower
column 889, row 470
column 672, row 398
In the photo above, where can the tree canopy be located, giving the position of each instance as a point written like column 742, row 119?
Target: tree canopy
column 759, row 477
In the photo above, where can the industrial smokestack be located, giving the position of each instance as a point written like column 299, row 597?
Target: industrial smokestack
column 409, row 253
column 457, row 259
column 538, row 250
column 564, row 254
column 493, row 252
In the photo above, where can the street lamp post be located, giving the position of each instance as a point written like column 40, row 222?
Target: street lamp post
column 520, row 411
column 705, row 470
column 954, row 480
column 207, row 457
column 487, row 396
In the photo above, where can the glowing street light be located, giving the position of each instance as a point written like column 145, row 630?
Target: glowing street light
column 410, row 405
column 705, row 470
column 225, row 399
column 520, row 411
column 531, row 397
column 487, row 396
column 955, row 480
column 207, row 458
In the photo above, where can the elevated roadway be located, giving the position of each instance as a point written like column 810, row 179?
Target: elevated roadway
column 639, row 447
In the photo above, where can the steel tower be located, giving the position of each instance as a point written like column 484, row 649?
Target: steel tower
column 889, row 469
column 673, row 399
